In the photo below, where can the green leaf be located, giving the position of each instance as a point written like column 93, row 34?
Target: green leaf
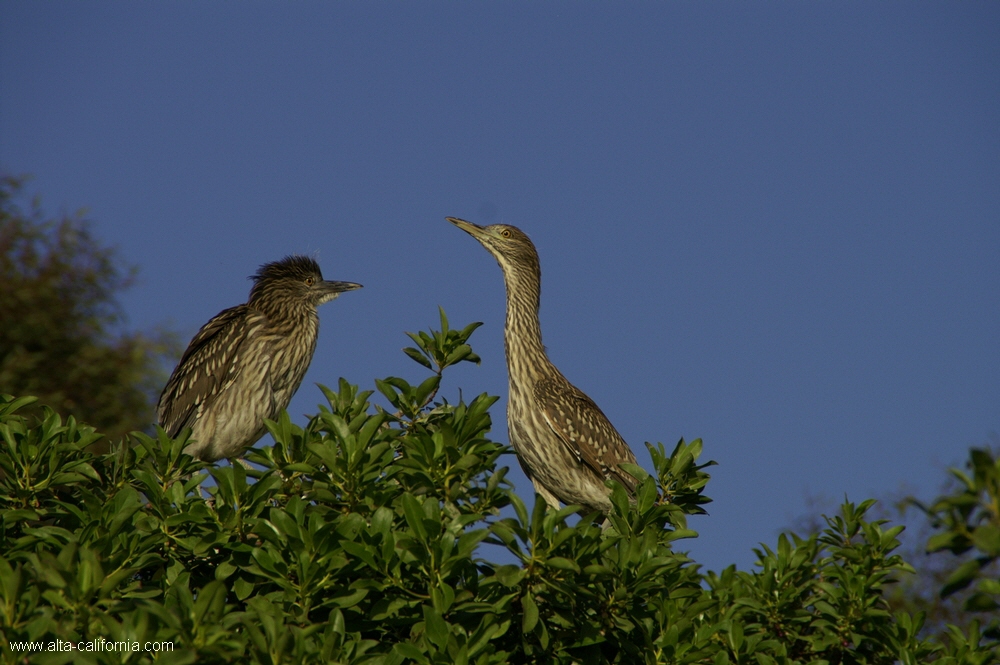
column 419, row 357
column 224, row 570
column 414, row 514
column 351, row 599
column 436, row 628
column 986, row 539
column 468, row 330
column 940, row 541
column 243, row 588
column 460, row 352
column 509, row 575
column 444, row 319
column 390, row 394
column 562, row 563
column 407, row 650
column 960, row 578
column 530, row 616
column 736, row 636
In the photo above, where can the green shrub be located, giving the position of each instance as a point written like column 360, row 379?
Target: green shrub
column 361, row 537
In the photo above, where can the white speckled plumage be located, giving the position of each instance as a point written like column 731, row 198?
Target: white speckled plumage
column 246, row 363
column 565, row 444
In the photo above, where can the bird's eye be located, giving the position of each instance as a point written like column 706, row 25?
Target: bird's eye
column 310, row 281
column 505, row 233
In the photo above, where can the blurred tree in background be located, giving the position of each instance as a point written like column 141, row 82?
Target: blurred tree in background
column 952, row 543
column 61, row 328
column 960, row 582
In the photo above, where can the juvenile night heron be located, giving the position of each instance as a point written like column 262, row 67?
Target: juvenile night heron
column 246, row 363
column 565, row 444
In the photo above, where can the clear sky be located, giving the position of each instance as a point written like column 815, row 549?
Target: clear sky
column 774, row 226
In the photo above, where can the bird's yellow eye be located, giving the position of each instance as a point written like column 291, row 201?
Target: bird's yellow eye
column 505, row 233
column 310, row 281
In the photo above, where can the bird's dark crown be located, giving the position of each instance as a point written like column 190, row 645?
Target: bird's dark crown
column 294, row 267
column 291, row 281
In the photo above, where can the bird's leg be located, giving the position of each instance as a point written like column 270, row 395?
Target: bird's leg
column 549, row 497
column 253, row 471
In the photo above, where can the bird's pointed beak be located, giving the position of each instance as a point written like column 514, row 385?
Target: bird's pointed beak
column 339, row 287
column 472, row 229
column 330, row 290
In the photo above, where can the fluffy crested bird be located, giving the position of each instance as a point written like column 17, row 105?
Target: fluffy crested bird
column 246, row 363
column 564, row 442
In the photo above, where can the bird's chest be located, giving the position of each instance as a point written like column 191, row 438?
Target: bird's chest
column 290, row 355
column 531, row 436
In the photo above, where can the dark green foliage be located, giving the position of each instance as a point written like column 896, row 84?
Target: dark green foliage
column 966, row 524
column 364, row 537
column 60, row 337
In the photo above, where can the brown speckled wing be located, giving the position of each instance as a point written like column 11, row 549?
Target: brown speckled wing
column 584, row 428
column 206, row 368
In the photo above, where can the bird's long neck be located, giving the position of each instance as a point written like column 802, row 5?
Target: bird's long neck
column 289, row 318
column 292, row 331
column 526, row 358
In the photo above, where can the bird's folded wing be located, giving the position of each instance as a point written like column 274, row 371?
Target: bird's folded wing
column 209, row 365
column 582, row 426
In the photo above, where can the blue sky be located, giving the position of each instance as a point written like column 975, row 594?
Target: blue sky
column 774, row 226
